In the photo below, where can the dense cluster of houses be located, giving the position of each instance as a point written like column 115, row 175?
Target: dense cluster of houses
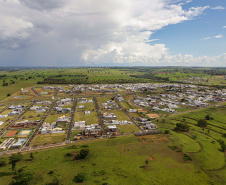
column 185, row 96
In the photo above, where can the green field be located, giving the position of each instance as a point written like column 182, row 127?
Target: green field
column 90, row 118
column 115, row 161
column 43, row 139
column 130, row 128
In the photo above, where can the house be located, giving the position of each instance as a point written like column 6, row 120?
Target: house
column 112, row 128
column 34, row 108
column 4, row 116
column 150, row 126
column 81, row 107
column 63, row 119
column 40, row 111
column 80, row 125
column 109, row 115
column 142, row 119
column 87, row 112
column 62, row 110
column 132, row 110
column 15, row 112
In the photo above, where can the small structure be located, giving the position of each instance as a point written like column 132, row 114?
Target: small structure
column 7, row 144
column 63, row 119
column 19, row 143
column 109, row 115
column 112, row 128
column 87, row 112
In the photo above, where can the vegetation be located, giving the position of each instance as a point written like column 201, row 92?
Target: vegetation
column 181, row 127
column 202, row 123
column 13, row 159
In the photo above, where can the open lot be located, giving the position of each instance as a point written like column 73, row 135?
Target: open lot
column 43, row 139
column 90, row 118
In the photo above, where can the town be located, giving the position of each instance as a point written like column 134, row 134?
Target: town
column 43, row 115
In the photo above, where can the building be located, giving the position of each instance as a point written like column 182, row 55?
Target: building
column 109, row 115
column 7, row 144
column 19, row 143
column 112, row 128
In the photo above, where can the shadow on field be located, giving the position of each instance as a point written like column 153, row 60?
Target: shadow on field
column 2, row 174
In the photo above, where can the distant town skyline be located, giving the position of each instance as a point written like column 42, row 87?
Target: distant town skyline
column 113, row 33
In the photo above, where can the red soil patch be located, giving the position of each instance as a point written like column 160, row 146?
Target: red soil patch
column 11, row 133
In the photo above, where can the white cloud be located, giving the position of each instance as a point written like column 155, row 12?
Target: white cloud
column 224, row 27
column 48, row 32
column 219, row 36
column 218, row 8
column 206, row 38
column 216, row 37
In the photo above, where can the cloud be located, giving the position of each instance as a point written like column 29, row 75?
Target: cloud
column 218, row 8
column 47, row 32
column 224, row 27
column 206, row 38
column 216, row 37
column 42, row 4
column 219, row 36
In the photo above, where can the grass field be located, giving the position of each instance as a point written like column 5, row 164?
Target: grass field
column 43, row 139
column 53, row 118
column 130, row 128
column 90, row 118
column 120, row 115
column 115, row 161
column 125, row 105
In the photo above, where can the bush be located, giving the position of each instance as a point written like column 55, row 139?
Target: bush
column 22, row 178
column 83, row 154
column 182, row 127
column 166, row 131
column 202, row 123
column 81, row 177
column 2, row 162
column 187, row 158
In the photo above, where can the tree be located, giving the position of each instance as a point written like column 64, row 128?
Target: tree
column 207, row 117
column 8, row 94
column 22, row 178
column 2, row 162
column 81, row 177
column 182, row 127
column 31, row 156
column 166, row 131
column 83, row 154
column 13, row 159
column 202, row 123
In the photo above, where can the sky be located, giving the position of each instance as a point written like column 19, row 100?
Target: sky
column 113, row 33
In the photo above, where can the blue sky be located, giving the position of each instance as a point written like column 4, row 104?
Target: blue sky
column 188, row 37
column 112, row 33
